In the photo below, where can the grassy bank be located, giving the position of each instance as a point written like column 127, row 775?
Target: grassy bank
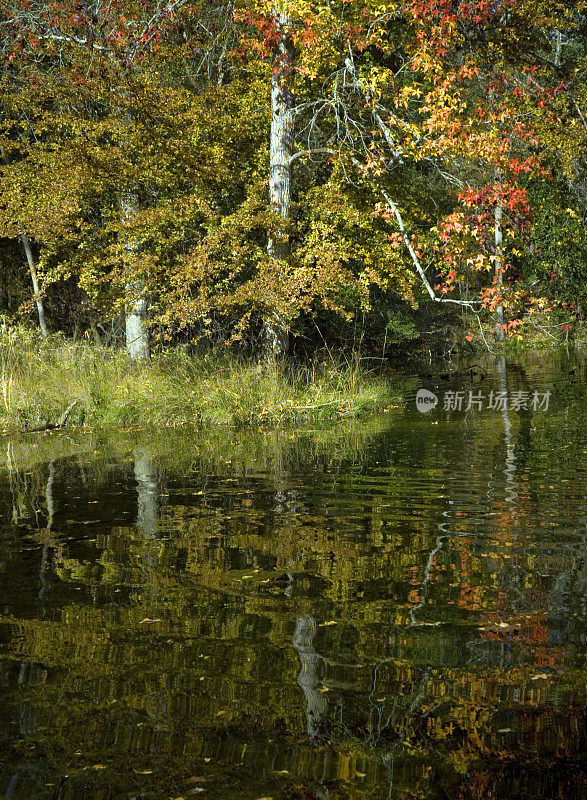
column 40, row 378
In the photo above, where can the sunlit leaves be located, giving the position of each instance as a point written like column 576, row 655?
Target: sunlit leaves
column 451, row 108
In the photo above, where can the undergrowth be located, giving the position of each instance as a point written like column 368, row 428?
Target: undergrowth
column 40, row 378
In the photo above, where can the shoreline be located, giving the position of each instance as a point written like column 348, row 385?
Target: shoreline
column 42, row 378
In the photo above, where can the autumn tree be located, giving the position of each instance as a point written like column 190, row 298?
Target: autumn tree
column 112, row 131
column 283, row 158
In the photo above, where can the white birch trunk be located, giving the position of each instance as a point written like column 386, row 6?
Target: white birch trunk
column 33, row 271
column 137, row 335
column 280, row 153
column 137, row 332
column 498, row 267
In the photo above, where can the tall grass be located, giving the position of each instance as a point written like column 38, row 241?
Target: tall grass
column 40, row 378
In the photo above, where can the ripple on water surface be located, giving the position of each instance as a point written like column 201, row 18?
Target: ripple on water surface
column 386, row 609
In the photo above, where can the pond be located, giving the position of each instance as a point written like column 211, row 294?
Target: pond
column 391, row 608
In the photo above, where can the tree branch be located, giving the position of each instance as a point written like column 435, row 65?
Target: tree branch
column 412, row 252
column 311, row 152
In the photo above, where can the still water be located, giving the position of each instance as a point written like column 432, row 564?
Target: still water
column 390, row 608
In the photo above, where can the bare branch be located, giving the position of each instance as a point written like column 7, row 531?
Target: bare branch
column 416, row 261
column 310, row 152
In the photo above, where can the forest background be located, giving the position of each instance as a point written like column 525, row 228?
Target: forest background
column 269, row 178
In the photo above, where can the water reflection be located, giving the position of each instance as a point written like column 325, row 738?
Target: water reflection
column 390, row 609
column 146, row 478
column 308, row 678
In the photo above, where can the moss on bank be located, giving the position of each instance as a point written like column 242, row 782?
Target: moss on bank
column 40, row 378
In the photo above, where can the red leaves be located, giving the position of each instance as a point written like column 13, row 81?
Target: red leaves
column 265, row 29
column 507, row 194
column 449, row 282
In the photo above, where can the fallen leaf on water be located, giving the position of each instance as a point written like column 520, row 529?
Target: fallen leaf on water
column 324, row 689
column 505, row 730
column 207, row 760
column 143, row 771
column 325, row 624
column 265, row 798
column 221, row 712
column 143, row 621
column 360, row 774
column 98, row 766
column 540, row 675
column 281, row 772
column 194, row 779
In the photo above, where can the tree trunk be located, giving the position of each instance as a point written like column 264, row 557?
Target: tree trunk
column 137, row 333
column 280, row 152
column 499, row 333
column 33, row 270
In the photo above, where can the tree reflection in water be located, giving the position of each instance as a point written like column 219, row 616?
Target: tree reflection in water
column 383, row 609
